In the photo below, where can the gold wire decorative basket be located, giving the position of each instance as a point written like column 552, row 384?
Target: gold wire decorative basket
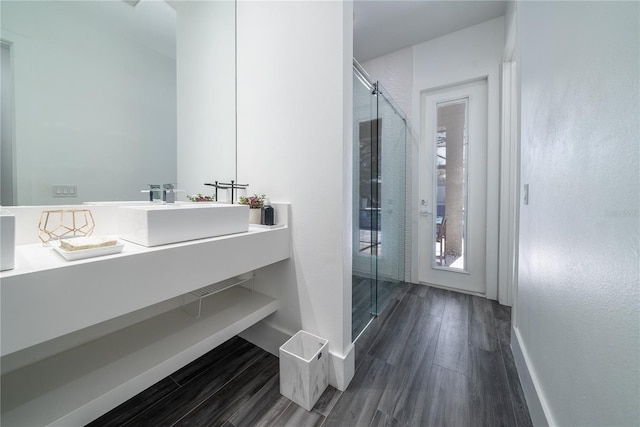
column 56, row 224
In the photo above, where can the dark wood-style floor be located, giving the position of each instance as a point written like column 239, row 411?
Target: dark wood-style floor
column 362, row 306
column 433, row 358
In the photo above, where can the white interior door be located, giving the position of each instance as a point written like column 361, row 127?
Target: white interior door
column 453, row 187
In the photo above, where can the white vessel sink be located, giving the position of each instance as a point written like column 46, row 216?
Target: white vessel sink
column 154, row 224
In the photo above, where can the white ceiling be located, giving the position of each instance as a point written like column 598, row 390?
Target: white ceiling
column 151, row 22
column 384, row 26
column 379, row 26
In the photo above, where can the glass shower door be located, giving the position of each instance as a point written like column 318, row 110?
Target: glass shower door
column 365, row 205
column 379, row 183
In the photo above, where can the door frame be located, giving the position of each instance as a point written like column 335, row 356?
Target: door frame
column 492, row 77
column 509, row 189
column 510, row 172
column 8, row 147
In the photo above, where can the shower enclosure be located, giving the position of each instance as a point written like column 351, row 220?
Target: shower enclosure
column 379, row 192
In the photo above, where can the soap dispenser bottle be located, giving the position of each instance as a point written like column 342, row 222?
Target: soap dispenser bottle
column 268, row 216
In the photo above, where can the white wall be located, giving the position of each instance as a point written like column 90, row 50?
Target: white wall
column 92, row 107
column 395, row 72
column 205, row 55
column 294, row 144
column 579, row 287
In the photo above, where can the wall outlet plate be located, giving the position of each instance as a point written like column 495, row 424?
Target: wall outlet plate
column 60, row 190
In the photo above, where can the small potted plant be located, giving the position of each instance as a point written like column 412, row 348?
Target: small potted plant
column 255, row 203
column 200, row 198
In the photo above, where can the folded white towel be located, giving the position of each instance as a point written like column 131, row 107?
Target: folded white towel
column 92, row 242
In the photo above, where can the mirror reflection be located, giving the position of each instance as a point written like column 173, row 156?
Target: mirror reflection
column 91, row 90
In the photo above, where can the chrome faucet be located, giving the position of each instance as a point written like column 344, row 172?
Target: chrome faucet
column 153, row 189
column 168, row 193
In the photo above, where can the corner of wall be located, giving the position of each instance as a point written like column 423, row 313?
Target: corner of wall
column 342, row 368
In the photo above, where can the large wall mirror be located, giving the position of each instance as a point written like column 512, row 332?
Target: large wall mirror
column 102, row 98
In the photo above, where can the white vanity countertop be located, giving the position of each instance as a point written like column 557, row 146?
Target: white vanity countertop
column 46, row 296
column 36, row 257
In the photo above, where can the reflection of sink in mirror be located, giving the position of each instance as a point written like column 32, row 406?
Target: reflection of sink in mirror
column 153, row 224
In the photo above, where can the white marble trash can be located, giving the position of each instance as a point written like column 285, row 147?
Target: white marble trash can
column 304, row 369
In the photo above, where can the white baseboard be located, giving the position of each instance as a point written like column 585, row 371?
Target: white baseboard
column 270, row 338
column 536, row 401
column 342, row 368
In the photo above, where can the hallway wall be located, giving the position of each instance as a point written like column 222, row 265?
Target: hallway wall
column 579, row 291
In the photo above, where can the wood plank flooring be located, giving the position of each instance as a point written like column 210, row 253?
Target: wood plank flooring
column 432, row 358
column 362, row 304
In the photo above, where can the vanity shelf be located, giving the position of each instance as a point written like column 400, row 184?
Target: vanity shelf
column 75, row 387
